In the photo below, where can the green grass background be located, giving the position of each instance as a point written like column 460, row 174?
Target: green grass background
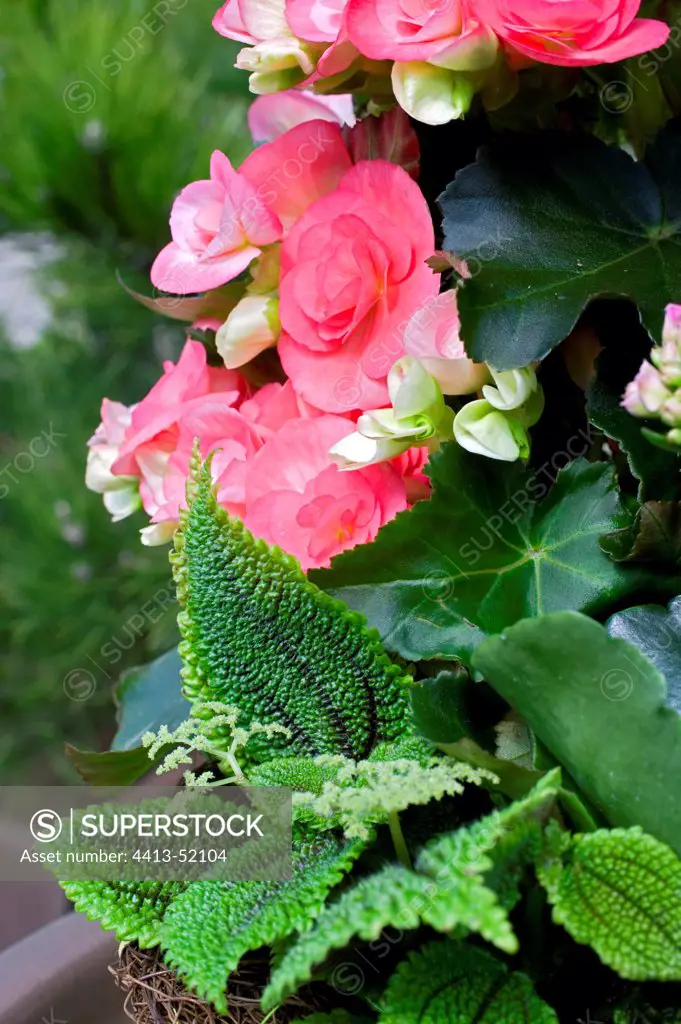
column 89, row 164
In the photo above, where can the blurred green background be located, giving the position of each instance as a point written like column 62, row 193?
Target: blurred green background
column 107, row 110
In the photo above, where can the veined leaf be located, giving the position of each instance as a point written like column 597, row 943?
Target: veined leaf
column 620, row 893
column 134, row 911
column 213, row 924
column 562, row 220
column 391, row 896
column 451, row 983
column 448, row 891
column 482, row 553
column 599, row 706
column 259, row 635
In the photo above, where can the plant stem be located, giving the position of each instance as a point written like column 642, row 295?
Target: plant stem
column 398, row 839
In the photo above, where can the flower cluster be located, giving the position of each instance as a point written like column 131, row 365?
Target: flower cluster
column 434, row 55
column 655, row 392
column 366, row 344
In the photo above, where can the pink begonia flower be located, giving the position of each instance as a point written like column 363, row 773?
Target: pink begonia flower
column 573, row 33
column 218, row 227
column 432, row 336
column 441, row 32
column 271, row 116
column 646, row 393
column 352, row 273
column 296, row 169
column 274, row 405
column 288, row 38
column 297, row 499
column 120, row 493
column 179, row 389
column 324, row 21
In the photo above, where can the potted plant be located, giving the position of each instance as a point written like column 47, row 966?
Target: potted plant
column 422, row 544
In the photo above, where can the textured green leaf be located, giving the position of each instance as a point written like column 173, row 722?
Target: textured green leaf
column 301, row 774
column 481, row 554
column 497, row 848
column 451, row 983
column 599, row 706
column 392, row 896
column 258, row 635
column 148, row 697
column 656, row 632
column 621, row 894
column 447, row 891
column 213, row 924
column 134, row 911
column 561, row 220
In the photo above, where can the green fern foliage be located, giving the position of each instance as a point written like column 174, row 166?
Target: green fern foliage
column 257, row 634
column 214, row 923
column 449, row 891
column 367, row 793
column 134, row 911
column 391, row 896
column 620, row 892
column 451, row 983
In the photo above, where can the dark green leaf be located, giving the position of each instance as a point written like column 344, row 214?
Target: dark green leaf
column 148, row 697
column 439, row 707
column 599, row 706
column 258, row 634
column 656, row 632
column 483, row 553
column 549, row 224
column 450, row 983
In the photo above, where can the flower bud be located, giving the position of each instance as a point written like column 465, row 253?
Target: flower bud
column 413, row 390
column 513, row 388
column 670, row 411
column 478, row 53
column 251, row 327
column 276, row 64
column 356, row 450
column 646, row 393
column 120, row 493
column 418, row 417
column 667, row 357
column 157, row 534
column 484, row 430
column 430, row 94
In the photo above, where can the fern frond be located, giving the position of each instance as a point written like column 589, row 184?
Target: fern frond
column 620, row 893
column 452, row 983
column 498, row 846
column 259, row 635
column 391, row 896
column 367, row 793
column 213, row 924
column 134, row 911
